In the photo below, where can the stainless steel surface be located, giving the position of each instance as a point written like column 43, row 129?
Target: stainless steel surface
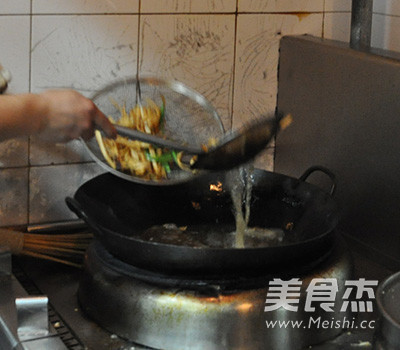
column 345, row 109
column 60, row 283
column 5, row 261
column 10, row 289
column 173, row 318
column 32, row 316
column 57, row 226
column 361, row 24
column 189, row 118
column 388, row 301
column 49, row 343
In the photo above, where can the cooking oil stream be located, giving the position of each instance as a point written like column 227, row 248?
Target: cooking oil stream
column 241, row 186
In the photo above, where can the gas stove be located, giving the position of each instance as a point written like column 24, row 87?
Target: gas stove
column 109, row 302
column 168, row 312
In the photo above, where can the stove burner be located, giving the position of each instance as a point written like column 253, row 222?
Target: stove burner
column 197, row 314
column 205, row 283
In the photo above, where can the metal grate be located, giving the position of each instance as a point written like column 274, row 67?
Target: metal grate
column 65, row 333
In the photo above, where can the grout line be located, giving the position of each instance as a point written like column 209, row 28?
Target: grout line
column 132, row 13
column 31, row 166
column 16, row 167
column 234, row 64
column 184, row 13
column 30, row 51
column 323, row 22
column 29, row 139
column 14, row 14
column 349, row 12
column 62, row 164
column 138, row 41
column 78, row 14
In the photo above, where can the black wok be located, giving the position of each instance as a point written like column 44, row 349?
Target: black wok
column 119, row 211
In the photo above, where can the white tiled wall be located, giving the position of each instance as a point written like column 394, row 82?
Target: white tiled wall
column 280, row 6
column 14, row 49
column 49, row 185
column 257, row 49
column 197, row 50
column 185, row 6
column 15, row 7
column 226, row 49
column 84, row 6
column 81, row 52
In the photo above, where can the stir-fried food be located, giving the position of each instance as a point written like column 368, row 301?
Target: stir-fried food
column 136, row 157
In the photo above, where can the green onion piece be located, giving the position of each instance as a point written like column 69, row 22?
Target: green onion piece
column 175, row 157
column 148, row 156
column 162, row 111
column 164, row 158
column 166, row 167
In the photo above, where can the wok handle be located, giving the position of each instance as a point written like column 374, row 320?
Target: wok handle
column 75, row 207
column 324, row 170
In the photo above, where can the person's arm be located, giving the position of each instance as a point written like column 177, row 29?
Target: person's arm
column 57, row 116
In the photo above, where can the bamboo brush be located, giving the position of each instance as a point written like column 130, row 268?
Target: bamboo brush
column 67, row 248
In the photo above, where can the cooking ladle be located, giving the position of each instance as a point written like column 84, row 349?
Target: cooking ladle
column 233, row 149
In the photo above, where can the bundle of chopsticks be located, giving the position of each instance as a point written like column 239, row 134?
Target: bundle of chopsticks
column 65, row 248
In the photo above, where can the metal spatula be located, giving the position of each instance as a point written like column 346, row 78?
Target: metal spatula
column 233, row 149
column 156, row 140
column 239, row 146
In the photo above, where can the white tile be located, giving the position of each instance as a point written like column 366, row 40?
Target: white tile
column 87, row 6
column 387, row 7
column 14, row 153
column 280, row 6
column 337, row 26
column 338, row 6
column 197, row 50
column 257, row 55
column 188, row 6
column 15, row 7
column 50, row 185
column 265, row 160
column 14, row 196
column 42, row 153
column 385, row 32
column 14, row 50
column 82, row 53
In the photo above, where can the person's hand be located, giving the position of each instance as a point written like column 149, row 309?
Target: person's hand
column 69, row 115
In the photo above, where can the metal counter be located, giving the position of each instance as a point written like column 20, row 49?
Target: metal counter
column 60, row 284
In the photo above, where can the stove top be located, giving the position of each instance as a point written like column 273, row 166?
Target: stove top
column 60, row 284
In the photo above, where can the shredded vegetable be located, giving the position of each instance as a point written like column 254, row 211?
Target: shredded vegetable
column 135, row 157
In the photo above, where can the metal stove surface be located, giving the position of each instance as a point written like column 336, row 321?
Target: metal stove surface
column 60, row 284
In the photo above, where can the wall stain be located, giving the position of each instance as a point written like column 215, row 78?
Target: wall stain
column 194, row 41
